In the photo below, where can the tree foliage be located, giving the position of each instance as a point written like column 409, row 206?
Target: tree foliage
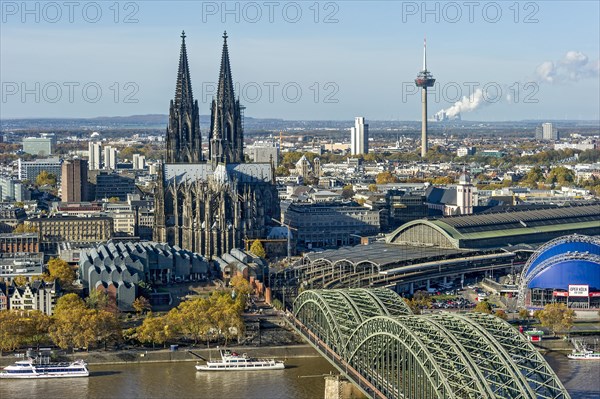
column 154, row 330
column 347, row 191
column 483, row 307
column 241, row 288
column 76, row 325
column 216, row 316
column 60, row 270
column 257, row 249
column 557, row 316
column 385, row 178
column 419, row 301
column 141, row 304
column 24, row 228
column 45, row 178
column 19, row 328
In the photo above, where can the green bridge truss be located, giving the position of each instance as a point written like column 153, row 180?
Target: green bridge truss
column 442, row 355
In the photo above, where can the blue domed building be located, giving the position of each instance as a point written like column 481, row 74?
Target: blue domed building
column 564, row 270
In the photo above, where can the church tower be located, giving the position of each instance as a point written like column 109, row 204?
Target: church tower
column 184, row 141
column 226, row 135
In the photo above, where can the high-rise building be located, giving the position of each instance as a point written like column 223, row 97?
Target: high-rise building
column 74, row 181
column 139, row 162
column 42, row 146
column 13, row 190
column 95, row 155
column 29, row 170
column 110, row 158
column 359, row 137
column 211, row 206
column 546, row 131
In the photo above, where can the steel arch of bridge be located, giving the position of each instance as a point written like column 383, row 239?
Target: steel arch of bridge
column 443, row 355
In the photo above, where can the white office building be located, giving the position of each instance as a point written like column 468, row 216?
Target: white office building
column 359, row 137
column 139, row 161
column 95, row 155
column 110, row 158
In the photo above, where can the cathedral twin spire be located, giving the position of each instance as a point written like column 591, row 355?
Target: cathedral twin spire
column 184, row 143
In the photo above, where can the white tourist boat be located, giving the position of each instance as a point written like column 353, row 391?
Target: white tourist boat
column 582, row 351
column 31, row 368
column 231, row 361
column 584, row 355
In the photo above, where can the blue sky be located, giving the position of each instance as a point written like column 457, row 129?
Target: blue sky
column 348, row 58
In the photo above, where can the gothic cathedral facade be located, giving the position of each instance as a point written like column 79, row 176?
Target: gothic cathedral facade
column 210, row 205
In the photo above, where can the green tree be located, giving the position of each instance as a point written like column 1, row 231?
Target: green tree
column 561, row 176
column 483, row 307
column 60, row 270
column 533, row 177
column 257, row 249
column 45, row 178
column 557, row 316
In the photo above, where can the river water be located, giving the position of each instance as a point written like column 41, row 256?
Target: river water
column 180, row 380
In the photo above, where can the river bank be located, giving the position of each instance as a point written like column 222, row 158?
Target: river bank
column 180, row 355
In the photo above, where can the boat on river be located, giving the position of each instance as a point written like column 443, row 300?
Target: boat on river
column 232, row 361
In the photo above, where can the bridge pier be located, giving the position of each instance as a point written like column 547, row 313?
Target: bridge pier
column 428, row 284
column 412, row 288
column 337, row 387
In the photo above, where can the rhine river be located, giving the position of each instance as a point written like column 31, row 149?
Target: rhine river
column 180, row 380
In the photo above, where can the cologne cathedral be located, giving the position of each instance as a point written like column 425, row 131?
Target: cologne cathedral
column 211, row 203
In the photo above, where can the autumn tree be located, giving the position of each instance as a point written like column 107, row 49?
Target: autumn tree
column 45, row 178
column 419, row 301
column 523, row 314
column 76, row 325
column 385, row 178
column 483, row 307
column 24, row 228
column 11, row 330
column 60, row 270
column 100, row 300
column 347, row 191
column 557, row 316
column 154, row 330
column 561, row 176
column 282, row 171
column 373, row 188
column 257, row 249
column 241, row 288
column 191, row 319
column 141, row 304
column 500, row 313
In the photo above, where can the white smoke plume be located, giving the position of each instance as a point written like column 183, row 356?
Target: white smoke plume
column 465, row 104
column 574, row 66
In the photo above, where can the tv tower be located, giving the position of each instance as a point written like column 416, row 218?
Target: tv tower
column 424, row 80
